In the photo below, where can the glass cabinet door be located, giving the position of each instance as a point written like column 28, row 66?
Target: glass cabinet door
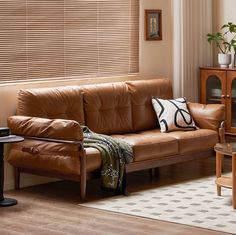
column 213, row 90
column 218, row 86
column 233, row 103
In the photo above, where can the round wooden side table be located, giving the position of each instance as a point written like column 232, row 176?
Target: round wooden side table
column 6, row 140
column 223, row 181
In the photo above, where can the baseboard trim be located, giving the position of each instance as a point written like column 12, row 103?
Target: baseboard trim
column 28, row 180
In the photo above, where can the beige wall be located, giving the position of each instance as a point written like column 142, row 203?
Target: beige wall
column 224, row 12
column 155, row 61
column 156, row 56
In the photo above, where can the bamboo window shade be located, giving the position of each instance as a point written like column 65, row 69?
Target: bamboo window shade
column 51, row 39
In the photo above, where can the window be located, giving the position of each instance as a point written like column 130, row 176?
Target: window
column 52, row 39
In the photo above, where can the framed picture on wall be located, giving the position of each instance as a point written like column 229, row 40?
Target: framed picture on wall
column 153, row 25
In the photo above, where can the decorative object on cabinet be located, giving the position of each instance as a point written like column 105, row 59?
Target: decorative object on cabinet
column 224, row 60
column 225, row 41
column 153, row 25
column 218, row 85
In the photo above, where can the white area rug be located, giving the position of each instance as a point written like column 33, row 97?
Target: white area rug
column 192, row 203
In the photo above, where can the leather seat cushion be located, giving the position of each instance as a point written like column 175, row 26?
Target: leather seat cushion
column 150, row 144
column 52, row 157
column 195, row 141
column 93, row 159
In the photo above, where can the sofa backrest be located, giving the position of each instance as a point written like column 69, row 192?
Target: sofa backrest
column 143, row 114
column 107, row 108
column 60, row 102
column 110, row 108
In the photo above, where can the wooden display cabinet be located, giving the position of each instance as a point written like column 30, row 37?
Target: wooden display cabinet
column 218, row 86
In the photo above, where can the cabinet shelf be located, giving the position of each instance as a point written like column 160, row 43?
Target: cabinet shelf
column 224, row 181
column 214, row 99
column 218, row 99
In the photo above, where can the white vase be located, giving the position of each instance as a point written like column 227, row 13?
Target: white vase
column 224, row 60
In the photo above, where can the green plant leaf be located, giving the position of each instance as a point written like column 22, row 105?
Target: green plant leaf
column 224, row 26
column 225, row 39
column 234, row 48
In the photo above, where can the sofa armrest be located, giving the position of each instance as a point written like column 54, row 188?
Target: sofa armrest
column 60, row 129
column 207, row 116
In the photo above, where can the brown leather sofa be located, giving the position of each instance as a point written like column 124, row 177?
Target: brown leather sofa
column 50, row 120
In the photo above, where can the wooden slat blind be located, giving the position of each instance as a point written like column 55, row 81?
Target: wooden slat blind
column 50, row 39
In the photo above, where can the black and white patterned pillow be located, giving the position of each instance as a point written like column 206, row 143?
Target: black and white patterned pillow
column 173, row 114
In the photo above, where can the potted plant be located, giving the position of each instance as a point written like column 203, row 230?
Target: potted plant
column 225, row 40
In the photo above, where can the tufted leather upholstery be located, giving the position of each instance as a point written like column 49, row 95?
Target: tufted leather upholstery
column 61, row 102
column 50, row 157
column 143, row 115
column 123, row 110
column 207, row 116
column 192, row 141
column 107, row 108
column 61, row 158
column 150, row 144
column 45, row 128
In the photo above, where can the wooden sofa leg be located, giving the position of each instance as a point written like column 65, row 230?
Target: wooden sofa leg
column 17, row 177
column 151, row 173
column 154, row 172
column 157, row 172
column 83, row 177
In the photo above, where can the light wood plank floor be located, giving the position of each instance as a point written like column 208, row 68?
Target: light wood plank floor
column 53, row 208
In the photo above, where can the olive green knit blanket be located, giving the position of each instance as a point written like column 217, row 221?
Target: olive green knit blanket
column 115, row 154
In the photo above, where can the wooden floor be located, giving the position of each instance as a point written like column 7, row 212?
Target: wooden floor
column 53, row 208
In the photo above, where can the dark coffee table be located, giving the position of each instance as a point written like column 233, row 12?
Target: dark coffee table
column 6, row 140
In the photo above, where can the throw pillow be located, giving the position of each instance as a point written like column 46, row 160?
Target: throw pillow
column 173, row 114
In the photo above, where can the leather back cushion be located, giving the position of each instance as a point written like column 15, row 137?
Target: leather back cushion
column 61, row 102
column 107, row 108
column 143, row 114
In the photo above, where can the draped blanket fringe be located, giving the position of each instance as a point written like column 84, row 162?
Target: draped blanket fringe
column 115, row 154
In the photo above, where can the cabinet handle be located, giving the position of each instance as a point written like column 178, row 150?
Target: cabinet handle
column 228, row 96
column 223, row 96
